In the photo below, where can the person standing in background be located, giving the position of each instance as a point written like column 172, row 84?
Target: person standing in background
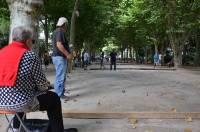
column 113, row 58
column 156, row 59
column 86, row 59
column 102, row 60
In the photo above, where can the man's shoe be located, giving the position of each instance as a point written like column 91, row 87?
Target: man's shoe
column 71, row 130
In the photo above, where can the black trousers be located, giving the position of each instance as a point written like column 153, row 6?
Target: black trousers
column 51, row 103
column 113, row 62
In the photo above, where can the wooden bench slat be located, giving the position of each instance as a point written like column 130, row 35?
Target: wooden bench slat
column 137, row 115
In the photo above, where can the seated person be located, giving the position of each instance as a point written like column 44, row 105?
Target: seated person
column 23, row 85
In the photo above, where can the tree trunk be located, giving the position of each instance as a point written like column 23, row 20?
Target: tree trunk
column 181, row 39
column 36, row 46
column 127, row 55
column 73, row 22
column 46, row 32
column 72, row 31
column 179, row 54
column 175, row 47
column 133, row 53
column 146, row 54
column 156, row 48
column 122, row 55
column 25, row 13
column 130, row 52
column 137, row 56
column 171, row 23
column 197, row 55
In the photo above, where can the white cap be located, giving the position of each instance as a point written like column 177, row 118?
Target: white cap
column 61, row 21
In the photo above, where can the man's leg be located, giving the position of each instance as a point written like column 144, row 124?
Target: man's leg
column 111, row 63
column 51, row 103
column 101, row 64
column 61, row 67
column 115, row 65
column 85, row 65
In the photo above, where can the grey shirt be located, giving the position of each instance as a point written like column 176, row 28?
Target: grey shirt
column 59, row 36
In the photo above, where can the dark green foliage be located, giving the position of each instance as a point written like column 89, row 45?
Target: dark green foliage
column 127, row 24
column 3, row 40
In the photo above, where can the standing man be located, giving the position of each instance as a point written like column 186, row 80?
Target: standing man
column 156, row 59
column 61, row 53
column 82, row 58
column 102, row 58
column 86, row 59
column 113, row 56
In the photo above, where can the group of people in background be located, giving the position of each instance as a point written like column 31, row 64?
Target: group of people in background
column 113, row 59
column 86, row 60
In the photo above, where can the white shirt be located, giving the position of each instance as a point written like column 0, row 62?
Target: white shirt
column 86, row 56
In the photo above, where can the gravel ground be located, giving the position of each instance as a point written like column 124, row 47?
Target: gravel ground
column 130, row 90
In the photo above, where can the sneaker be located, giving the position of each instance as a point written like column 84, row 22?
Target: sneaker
column 71, row 130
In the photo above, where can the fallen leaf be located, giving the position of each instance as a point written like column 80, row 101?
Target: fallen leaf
column 149, row 131
column 133, row 126
column 123, row 91
column 188, row 119
column 66, row 100
column 98, row 122
column 99, row 103
column 173, row 110
column 187, row 130
column 133, row 122
column 75, row 100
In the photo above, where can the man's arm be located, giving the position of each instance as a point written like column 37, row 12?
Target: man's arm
column 60, row 40
column 63, row 50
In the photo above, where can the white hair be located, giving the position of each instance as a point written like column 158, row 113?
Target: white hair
column 21, row 33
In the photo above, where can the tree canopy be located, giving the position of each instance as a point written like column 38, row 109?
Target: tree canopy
column 129, row 25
